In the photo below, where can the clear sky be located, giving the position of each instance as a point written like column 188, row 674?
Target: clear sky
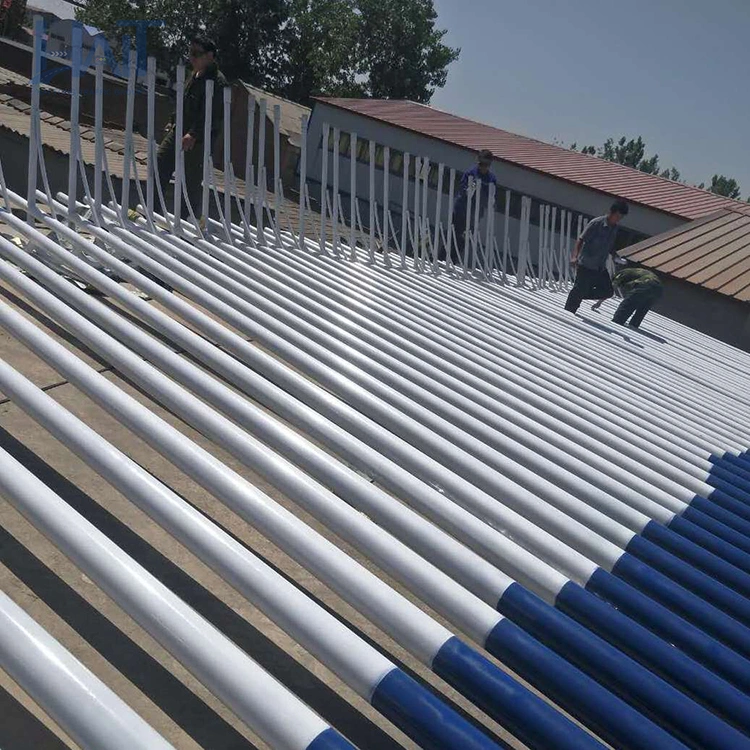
column 676, row 72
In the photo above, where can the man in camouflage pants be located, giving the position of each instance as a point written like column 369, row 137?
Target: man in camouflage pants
column 640, row 289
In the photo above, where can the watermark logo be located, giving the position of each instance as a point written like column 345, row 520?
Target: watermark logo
column 101, row 51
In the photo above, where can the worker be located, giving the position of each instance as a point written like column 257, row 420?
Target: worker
column 483, row 177
column 203, row 61
column 640, row 289
column 594, row 246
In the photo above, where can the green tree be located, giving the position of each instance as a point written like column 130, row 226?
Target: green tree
column 401, row 54
column 321, row 44
column 298, row 48
column 630, row 153
column 248, row 33
column 726, row 186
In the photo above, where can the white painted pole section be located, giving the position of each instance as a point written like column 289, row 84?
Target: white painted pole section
column 352, row 196
column 75, row 99
column 227, row 92
column 404, row 210
column 99, row 122
column 128, row 155
column 336, row 169
column 258, row 699
column 416, row 233
column 86, row 709
column 249, row 167
column 178, row 154
column 34, row 144
column 150, row 127
column 387, row 224
column 260, row 195
column 302, row 180
column 208, row 162
column 373, row 201
column 438, row 216
column 424, row 249
column 324, row 187
column 451, row 200
column 278, row 188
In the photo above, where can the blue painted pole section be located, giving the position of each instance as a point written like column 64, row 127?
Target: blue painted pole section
column 611, row 717
column 620, row 629
column 724, row 471
column 713, row 535
column 527, row 717
column 741, row 498
column 574, row 638
column 408, row 705
column 719, row 513
column 715, row 566
column 732, row 464
column 706, row 587
column 330, row 740
column 702, row 614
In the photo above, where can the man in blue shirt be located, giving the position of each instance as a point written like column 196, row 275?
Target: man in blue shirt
column 594, row 246
column 483, row 178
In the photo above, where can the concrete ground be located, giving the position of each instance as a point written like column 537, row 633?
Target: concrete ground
column 76, row 612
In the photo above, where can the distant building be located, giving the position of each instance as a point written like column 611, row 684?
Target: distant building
column 60, row 39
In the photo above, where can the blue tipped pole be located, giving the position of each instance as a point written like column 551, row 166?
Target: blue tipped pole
column 574, row 637
column 705, row 616
column 714, row 536
column 706, row 587
column 530, row 719
column 717, row 567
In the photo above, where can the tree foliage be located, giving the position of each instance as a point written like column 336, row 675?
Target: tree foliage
column 726, row 186
column 299, row 48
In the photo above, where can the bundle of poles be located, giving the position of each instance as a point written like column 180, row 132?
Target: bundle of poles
column 573, row 500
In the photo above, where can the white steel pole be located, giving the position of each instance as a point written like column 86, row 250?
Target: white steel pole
column 353, row 196
column 336, row 174
column 373, row 201
column 303, row 180
column 75, row 98
column 278, row 188
column 260, row 195
column 256, row 697
column 178, row 156
column 78, row 701
column 404, row 209
column 324, row 187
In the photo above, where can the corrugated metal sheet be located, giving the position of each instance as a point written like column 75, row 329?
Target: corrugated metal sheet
column 713, row 252
column 654, row 192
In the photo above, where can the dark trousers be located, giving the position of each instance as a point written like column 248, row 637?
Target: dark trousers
column 165, row 161
column 636, row 304
column 589, row 284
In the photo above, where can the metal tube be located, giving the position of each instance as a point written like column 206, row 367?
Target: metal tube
column 85, row 708
column 257, row 698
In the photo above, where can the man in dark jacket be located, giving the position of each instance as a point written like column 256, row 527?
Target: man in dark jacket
column 203, row 62
column 640, row 289
column 590, row 255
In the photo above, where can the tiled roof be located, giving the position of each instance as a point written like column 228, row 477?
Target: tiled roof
column 637, row 187
column 713, row 252
column 291, row 112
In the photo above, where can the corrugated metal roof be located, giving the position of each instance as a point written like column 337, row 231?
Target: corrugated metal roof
column 652, row 191
column 713, row 252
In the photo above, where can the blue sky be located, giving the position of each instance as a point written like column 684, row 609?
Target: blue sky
column 674, row 71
